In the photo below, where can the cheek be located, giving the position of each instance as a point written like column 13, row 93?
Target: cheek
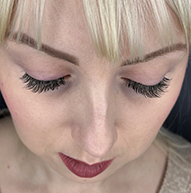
column 23, row 111
column 41, row 124
column 19, row 112
column 146, row 117
column 140, row 128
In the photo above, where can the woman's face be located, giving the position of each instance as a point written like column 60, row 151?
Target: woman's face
column 94, row 116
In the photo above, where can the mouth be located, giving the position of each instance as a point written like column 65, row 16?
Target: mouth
column 82, row 169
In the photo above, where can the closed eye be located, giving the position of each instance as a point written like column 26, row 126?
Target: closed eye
column 40, row 85
column 149, row 91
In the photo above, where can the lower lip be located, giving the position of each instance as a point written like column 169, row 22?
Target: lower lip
column 82, row 169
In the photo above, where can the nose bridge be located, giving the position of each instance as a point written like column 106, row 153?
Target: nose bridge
column 97, row 135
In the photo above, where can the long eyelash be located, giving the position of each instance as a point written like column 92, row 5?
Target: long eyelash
column 40, row 85
column 154, row 91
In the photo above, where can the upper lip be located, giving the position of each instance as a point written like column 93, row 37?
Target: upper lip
column 85, row 162
column 96, row 163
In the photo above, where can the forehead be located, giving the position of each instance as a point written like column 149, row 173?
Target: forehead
column 63, row 24
column 63, row 18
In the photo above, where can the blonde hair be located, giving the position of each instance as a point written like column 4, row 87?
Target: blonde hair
column 109, row 20
column 114, row 25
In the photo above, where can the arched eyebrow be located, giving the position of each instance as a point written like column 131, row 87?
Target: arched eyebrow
column 29, row 41
column 155, row 54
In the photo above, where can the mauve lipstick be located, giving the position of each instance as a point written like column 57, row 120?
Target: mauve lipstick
column 82, row 169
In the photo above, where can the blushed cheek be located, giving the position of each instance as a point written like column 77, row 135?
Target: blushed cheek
column 11, row 102
column 153, row 113
column 9, row 86
column 24, row 126
column 14, row 101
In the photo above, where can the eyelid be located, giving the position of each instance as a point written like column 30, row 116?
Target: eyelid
column 47, row 80
column 128, row 79
column 42, row 86
column 149, row 91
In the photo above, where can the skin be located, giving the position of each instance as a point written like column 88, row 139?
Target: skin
column 93, row 118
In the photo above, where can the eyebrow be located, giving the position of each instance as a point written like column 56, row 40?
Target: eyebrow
column 29, row 41
column 155, row 54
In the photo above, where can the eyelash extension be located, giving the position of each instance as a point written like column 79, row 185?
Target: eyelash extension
column 41, row 85
column 154, row 91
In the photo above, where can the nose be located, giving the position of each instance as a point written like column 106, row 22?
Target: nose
column 96, row 132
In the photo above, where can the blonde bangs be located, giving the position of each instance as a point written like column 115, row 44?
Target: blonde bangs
column 119, row 25
column 33, row 16
column 115, row 26
column 6, row 10
column 182, row 9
